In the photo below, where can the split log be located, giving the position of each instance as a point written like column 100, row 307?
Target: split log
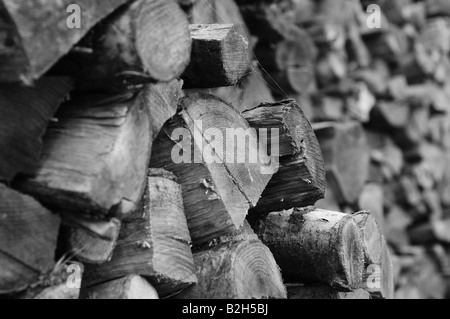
column 344, row 148
column 316, row 246
column 26, row 113
column 154, row 241
column 219, row 56
column 132, row 287
column 88, row 241
column 240, row 270
column 95, row 157
column 147, row 38
column 435, row 231
column 28, row 234
column 371, row 236
column 221, row 177
column 322, row 292
column 379, row 278
column 300, row 180
column 30, row 47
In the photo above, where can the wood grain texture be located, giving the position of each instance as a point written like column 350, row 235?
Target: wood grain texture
column 300, row 180
column 26, row 113
column 154, row 241
column 28, row 234
column 316, row 246
column 132, row 287
column 31, row 47
column 219, row 56
column 218, row 186
column 239, row 270
column 95, row 156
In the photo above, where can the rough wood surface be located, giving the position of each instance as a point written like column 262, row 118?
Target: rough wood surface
column 95, row 156
column 28, row 234
column 219, row 56
column 344, row 147
column 132, row 287
column 25, row 113
column 154, row 241
column 31, row 47
column 239, row 270
column 218, row 186
column 323, row 292
column 300, row 180
column 316, row 246
column 371, row 236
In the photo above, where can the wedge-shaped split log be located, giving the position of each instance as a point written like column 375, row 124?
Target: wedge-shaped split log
column 316, row 246
column 212, row 150
column 154, row 241
column 132, row 287
column 323, row 292
column 347, row 158
column 38, row 33
column 87, row 241
column 219, row 56
column 300, row 180
column 95, row 157
column 239, row 270
column 28, row 234
column 25, row 113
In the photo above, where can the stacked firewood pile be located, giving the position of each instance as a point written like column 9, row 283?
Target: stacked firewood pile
column 116, row 171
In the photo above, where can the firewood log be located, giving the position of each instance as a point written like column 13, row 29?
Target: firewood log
column 237, row 270
column 316, row 246
column 221, row 177
column 28, row 234
column 132, row 287
column 300, row 181
column 344, row 147
column 154, row 241
column 31, row 47
column 33, row 106
column 319, row 292
column 371, row 235
column 219, row 56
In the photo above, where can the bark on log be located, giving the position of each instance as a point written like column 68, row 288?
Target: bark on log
column 316, row 246
column 154, row 241
column 26, row 113
column 221, row 177
column 29, row 46
column 219, row 56
column 239, row 270
column 322, row 292
column 28, row 234
column 346, row 156
column 95, row 157
column 300, row 180
column 132, row 287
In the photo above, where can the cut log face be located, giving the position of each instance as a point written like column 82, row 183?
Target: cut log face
column 148, row 36
column 132, row 287
column 300, row 181
column 221, row 174
column 26, row 113
column 154, row 241
column 219, row 56
column 344, row 147
column 88, row 241
column 372, row 237
column 316, row 246
column 32, row 46
column 95, row 157
column 322, row 292
column 242, row 270
column 28, row 234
